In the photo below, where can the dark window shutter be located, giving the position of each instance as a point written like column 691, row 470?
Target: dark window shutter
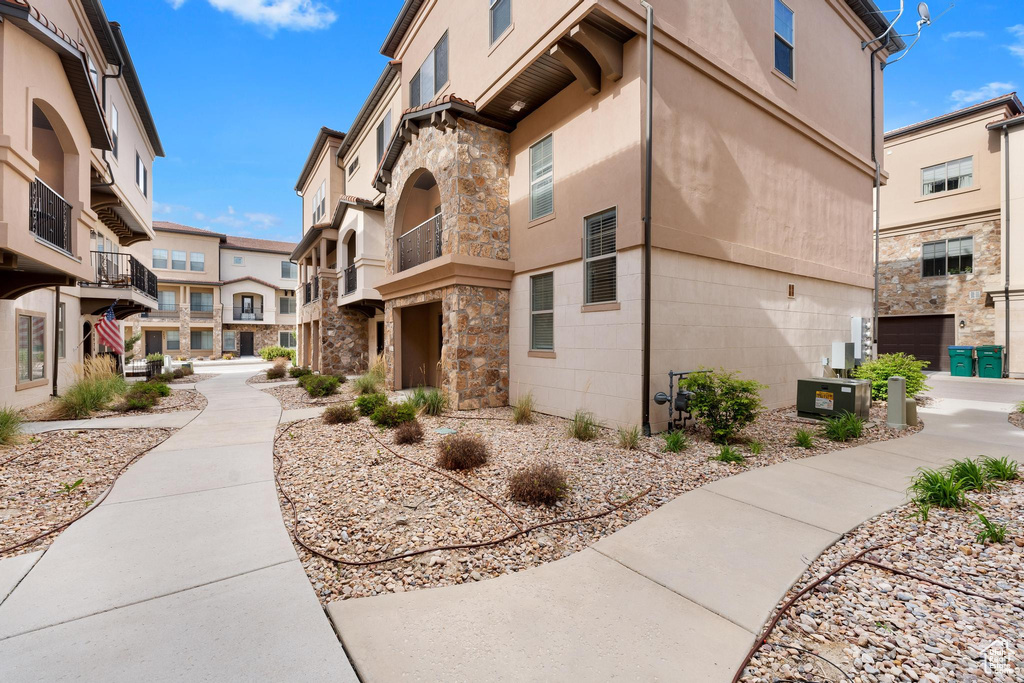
column 440, row 63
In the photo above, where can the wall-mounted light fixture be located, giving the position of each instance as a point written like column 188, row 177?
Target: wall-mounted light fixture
column 963, row 324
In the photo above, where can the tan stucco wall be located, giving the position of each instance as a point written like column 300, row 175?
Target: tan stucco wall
column 326, row 171
column 176, row 241
column 364, row 147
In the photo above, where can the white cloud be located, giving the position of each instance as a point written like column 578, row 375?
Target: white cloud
column 246, row 222
column 263, row 220
column 957, row 35
column 1017, row 49
column 297, row 15
column 985, row 92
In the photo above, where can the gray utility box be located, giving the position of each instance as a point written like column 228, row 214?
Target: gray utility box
column 824, row 397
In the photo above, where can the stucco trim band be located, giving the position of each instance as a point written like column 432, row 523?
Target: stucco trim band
column 447, row 270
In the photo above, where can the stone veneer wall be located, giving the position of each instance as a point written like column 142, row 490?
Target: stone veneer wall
column 263, row 335
column 470, row 164
column 903, row 291
column 344, row 341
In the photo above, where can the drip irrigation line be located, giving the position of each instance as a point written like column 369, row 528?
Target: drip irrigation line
column 940, row 584
column 813, row 654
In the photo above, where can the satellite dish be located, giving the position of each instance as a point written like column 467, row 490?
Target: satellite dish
column 922, row 10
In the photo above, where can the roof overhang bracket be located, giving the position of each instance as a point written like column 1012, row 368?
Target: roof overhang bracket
column 605, row 49
column 584, row 67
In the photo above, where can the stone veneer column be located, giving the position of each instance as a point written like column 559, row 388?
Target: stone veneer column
column 185, row 331
column 344, row 340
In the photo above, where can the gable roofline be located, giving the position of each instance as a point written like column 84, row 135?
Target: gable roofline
column 167, row 226
column 239, row 243
column 322, row 136
column 1008, row 100
column 400, row 27
column 391, row 71
column 253, row 279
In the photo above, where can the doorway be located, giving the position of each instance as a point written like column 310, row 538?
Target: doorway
column 421, row 341
column 86, row 339
column 248, row 309
column 245, row 347
column 154, row 341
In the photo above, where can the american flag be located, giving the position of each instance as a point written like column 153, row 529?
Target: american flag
column 109, row 332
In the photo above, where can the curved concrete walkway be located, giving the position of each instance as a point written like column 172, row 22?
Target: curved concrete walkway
column 184, row 572
column 681, row 593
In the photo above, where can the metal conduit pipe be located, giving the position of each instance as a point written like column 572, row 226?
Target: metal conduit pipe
column 878, row 192
column 648, row 173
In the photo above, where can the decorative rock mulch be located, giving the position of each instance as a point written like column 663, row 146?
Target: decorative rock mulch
column 356, row 501
column 1017, row 419
column 261, row 378
column 292, row 396
column 194, row 378
column 873, row 625
column 38, row 478
column 180, row 399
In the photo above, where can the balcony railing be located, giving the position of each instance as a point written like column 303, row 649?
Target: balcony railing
column 163, row 310
column 350, row 279
column 49, row 215
column 421, row 244
column 248, row 313
column 122, row 271
column 201, row 310
column 311, row 291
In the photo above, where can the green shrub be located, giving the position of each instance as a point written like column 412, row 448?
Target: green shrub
column 164, row 377
column 888, row 365
column 723, row 403
column 389, row 414
column 96, row 385
column 756, row 447
column 461, row 452
column 275, row 372
column 539, row 484
column 675, row 441
column 272, row 352
column 435, row 402
column 178, row 373
column 583, row 426
column 1001, row 469
column 970, row 473
column 843, row 427
column 299, row 372
column 1020, row 407
column 522, row 409
column 409, row 432
column 319, row 385
column 729, row 454
column 418, row 397
column 803, row 438
column 367, row 384
column 187, row 370
column 10, row 425
column 629, row 438
column 996, row 533
column 155, row 358
column 143, row 396
column 340, row 413
column 367, row 403
column 937, row 488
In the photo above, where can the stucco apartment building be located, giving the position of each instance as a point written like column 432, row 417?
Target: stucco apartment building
column 944, row 276
column 501, row 160
column 217, row 293
column 77, row 143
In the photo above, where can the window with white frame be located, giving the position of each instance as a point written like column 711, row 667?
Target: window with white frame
column 353, row 167
column 31, row 358
column 952, row 175
column 141, row 175
column 542, row 178
column 542, row 312
column 286, row 339
column 159, row 258
column 114, row 133
column 286, row 305
column 785, row 39
column 177, row 260
column 201, row 301
column 599, row 258
column 166, row 300
column 202, row 340
column 501, row 17
column 229, row 340
column 320, row 203
column 197, row 261
column 947, row 257
column 173, row 340
column 431, row 76
column 289, row 270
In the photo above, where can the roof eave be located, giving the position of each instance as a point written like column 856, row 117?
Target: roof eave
column 322, row 136
column 131, row 77
column 1010, row 100
column 385, row 80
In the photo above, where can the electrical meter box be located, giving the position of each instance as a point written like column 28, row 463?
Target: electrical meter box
column 843, row 354
column 822, row 397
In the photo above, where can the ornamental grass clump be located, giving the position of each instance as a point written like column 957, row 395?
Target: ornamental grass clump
column 675, row 442
column 539, row 484
column 318, row 386
column 143, row 396
column 461, row 452
column 729, row 454
column 756, row 447
column 368, row 403
column 97, row 383
column 435, row 402
column 583, row 426
column 842, row 427
column 340, row 413
column 723, row 403
column 522, row 409
column 367, row 384
column 888, row 365
column 388, row 415
column 970, row 473
column 272, row 352
column 990, row 532
column 1000, row 469
column 629, row 438
column 937, row 488
column 409, row 432
column 278, row 370
column 803, row 438
column 10, row 425
column 296, row 372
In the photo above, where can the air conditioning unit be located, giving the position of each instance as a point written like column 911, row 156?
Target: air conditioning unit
column 821, row 397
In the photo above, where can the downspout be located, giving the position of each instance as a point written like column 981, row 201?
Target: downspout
column 1006, row 257
column 103, row 99
column 56, row 335
column 878, row 194
column 648, row 173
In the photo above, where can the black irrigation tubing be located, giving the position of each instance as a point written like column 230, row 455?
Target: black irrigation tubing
column 96, row 503
column 813, row 654
column 520, row 531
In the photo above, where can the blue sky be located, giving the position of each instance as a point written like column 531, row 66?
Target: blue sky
column 240, row 87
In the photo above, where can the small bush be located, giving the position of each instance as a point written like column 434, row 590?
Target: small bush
column 1020, row 407
column 368, row 403
column 756, row 447
column 178, row 373
column 803, row 438
column 522, row 409
column 272, row 352
column 297, row 372
column 275, row 373
column 843, row 427
column 539, row 484
column 461, row 452
column 340, row 413
column 228, row 356
column 187, row 369
column 1001, row 469
column 319, row 385
column 164, row 377
column 389, row 414
column 970, row 473
column 155, row 358
column 629, row 438
column 367, row 384
column 937, row 488
column 583, row 426
column 10, row 425
column 378, row 368
column 996, row 533
column 729, row 454
column 418, row 397
column 723, row 403
column 409, row 432
column 675, row 441
column 137, row 401
column 97, row 383
column 882, row 368
column 435, row 402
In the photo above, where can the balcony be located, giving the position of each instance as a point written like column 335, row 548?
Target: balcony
column 245, row 313
column 122, row 271
column 311, row 291
column 421, row 244
column 350, row 279
column 163, row 311
column 201, row 310
column 49, row 216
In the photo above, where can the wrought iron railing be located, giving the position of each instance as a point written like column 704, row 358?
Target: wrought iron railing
column 311, row 291
column 122, row 271
column 350, row 279
column 49, row 215
column 201, row 310
column 248, row 313
column 421, row 244
column 163, row 310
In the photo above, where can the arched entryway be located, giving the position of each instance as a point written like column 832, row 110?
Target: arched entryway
column 418, row 221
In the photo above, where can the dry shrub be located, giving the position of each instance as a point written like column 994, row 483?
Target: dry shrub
column 409, row 432
column 340, row 413
column 539, row 484
column 522, row 409
column 278, row 371
column 461, row 452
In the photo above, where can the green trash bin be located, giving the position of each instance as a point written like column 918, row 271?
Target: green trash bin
column 990, row 361
column 961, row 361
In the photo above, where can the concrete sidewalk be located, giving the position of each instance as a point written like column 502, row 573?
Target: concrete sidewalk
column 681, row 593
column 185, row 572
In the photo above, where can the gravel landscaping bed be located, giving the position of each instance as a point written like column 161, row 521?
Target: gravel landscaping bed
column 357, row 501
column 877, row 625
column 182, row 399
column 292, row 396
column 194, row 378
column 1017, row 419
column 261, row 378
column 34, row 476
